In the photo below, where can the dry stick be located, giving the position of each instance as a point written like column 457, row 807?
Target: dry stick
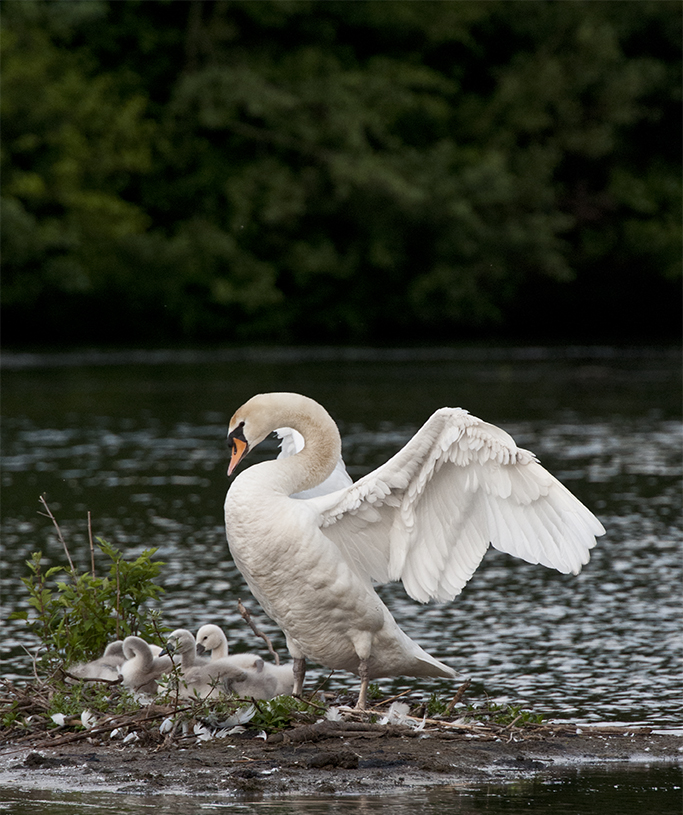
column 321, row 685
column 118, row 601
column 59, row 533
column 98, row 730
column 34, row 660
column 92, row 678
column 458, row 695
column 393, row 698
column 246, row 616
column 513, row 722
column 92, row 548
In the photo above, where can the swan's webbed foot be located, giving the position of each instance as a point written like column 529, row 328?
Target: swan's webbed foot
column 299, row 670
column 364, row 682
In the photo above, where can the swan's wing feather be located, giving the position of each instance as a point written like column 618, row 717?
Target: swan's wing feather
column 292, row 442
column 427, row 515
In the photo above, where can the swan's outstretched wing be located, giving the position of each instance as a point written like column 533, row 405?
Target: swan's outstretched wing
column 292, row 443
column 427, row 516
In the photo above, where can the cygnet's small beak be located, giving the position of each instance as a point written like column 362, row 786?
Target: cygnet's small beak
column 168, row 650
column 200, row 648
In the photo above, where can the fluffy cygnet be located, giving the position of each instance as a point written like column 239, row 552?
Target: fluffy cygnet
column 142, row 668
column 284, row 676
column 205, row 679
column 264, row 681
column 104, row 667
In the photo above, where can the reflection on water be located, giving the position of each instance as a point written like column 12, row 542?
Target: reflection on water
column 143, row 448
column 607, row 791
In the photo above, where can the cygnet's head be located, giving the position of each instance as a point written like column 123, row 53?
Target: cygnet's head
column 211, row 638
column 180, row 642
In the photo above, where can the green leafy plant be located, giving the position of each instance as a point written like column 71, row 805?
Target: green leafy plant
column 282, row 711
column 73, row 699
column 75, row 618
column 436, row 706
column 503, row 714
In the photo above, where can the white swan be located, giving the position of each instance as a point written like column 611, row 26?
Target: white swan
column 104, row 667
column 142, row 668
column 425, row 517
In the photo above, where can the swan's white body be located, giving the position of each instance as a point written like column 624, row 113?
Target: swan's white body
column 142, row 667
column 425, row 517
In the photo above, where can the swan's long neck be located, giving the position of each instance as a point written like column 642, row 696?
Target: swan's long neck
column 322, row 448
column 322, row 442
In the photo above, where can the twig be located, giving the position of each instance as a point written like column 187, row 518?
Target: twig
column 513, row 722
column 34, row 660
column 99, row 730
column 458, row 695
column 118, row 601
column 320, row 686
column 59, row 533
column 92, row 548
column 246, row 616
column 117, row 681
column 393, row 698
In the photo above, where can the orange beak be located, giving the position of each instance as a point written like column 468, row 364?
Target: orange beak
column 239, row 451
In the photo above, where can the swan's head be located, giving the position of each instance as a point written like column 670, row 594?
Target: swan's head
column 266, row 412
column 209, row 638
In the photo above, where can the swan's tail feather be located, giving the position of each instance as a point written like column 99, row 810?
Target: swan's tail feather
column 432, row 667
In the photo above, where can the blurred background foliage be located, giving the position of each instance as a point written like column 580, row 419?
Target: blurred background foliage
column 366, row 172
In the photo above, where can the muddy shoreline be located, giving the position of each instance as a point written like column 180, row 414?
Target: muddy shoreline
column 331, row 758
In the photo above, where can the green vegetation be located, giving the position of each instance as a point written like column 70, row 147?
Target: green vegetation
column 74, row 619
column 284, row 711
column 503, row 714
column 339, row 172
column 487, row 712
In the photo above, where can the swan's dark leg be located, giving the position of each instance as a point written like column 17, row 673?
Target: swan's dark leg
column 299, row 669
column 364, row 682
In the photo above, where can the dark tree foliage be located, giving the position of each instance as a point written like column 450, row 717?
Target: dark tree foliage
column 382, row 171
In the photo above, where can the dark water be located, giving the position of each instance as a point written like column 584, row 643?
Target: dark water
column 139, row 440
column 633, row 791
